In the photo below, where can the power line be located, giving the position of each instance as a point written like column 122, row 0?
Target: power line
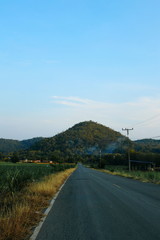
column 141, row 123
column 146, row 138
column 147, row 120
column 156, row 137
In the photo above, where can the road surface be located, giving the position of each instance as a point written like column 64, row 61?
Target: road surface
column 97, row 206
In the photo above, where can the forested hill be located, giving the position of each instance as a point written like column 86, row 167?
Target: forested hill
column 84, row 138
column 147, row 145
column 9, row 145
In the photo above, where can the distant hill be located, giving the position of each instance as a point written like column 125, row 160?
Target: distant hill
column 79, row 143
column 9, row 145
column 147, row 145
column 83, row 138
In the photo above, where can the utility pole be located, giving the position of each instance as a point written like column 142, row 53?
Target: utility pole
column 129, row 162
column 100, row 155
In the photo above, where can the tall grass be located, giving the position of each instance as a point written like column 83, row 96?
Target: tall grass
column 13, row 177
column 23, row 209
column 145, row 176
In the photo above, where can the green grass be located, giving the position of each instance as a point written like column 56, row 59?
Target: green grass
column 145, row 176
column 20, row 213
column 13, row 177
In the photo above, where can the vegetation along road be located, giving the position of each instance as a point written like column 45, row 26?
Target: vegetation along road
column 94, row 205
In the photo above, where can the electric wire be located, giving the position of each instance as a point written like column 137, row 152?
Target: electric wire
column 147, row 120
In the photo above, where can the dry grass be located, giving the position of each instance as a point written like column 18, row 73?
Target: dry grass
column 26, row 211
column 143, row 176
column 50, row 185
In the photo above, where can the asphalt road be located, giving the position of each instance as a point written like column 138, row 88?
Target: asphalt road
column 98, row 206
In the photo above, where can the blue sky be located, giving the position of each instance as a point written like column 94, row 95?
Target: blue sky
column 63, row 62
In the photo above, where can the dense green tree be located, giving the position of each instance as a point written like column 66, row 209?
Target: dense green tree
column 15, row 158
column 9, row 145
column 84, row 142
column 1, row 156
column 57, row 156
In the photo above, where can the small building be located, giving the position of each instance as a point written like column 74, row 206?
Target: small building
column 30, row 161
column 142, row 165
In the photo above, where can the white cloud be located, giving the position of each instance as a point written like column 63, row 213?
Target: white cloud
column 142, row 114
column 71, row 101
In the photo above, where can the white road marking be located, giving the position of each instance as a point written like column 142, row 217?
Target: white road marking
column 116, row 185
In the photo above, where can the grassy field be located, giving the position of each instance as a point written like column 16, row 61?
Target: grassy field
column 145, row 176
column 26, row 189
column 13, row 177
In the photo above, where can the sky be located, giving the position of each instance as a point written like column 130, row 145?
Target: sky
column 63, row 62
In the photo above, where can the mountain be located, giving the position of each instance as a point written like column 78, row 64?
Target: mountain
column 79, row 142
column 9, row 145
column 83, row 138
